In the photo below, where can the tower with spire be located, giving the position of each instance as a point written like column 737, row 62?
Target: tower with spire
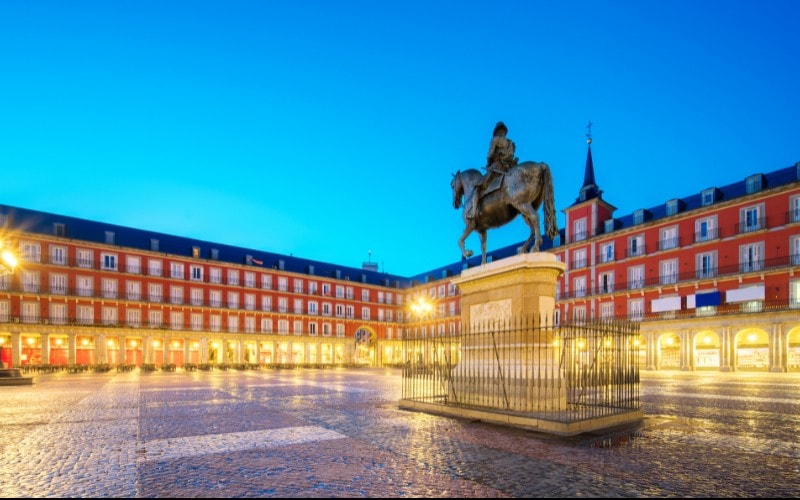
column 586, row 217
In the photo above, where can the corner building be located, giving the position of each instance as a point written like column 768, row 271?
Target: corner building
column 713, row 278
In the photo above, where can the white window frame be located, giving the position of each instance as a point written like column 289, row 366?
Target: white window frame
column 751, row 257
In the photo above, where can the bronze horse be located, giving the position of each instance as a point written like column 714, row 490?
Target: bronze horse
column 526, row 186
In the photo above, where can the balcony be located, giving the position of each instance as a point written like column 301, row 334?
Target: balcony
column 707, row 235
column 751, row 225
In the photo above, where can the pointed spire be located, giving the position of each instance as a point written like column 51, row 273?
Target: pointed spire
column 590, row 189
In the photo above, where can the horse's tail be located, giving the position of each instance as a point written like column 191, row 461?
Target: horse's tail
column 549, row 201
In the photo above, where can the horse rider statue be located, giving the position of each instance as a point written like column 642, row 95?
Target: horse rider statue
column 499, row 160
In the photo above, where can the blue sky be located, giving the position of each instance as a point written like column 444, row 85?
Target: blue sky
column 329, row 130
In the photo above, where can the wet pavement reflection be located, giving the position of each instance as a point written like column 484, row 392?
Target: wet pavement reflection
column 340, row 433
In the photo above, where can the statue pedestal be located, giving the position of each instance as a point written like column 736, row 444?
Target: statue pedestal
column 509, row 356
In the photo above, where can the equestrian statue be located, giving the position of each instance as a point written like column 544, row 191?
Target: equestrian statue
column 508, row 188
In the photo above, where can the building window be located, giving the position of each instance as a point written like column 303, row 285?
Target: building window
column 312, row 308
column 579, row 230
column 608, row 225
column 176, row 320
column 266, row 281
column 753, row 183
column 215, row 322
column 154, row 244
column 605, row 282
column 214, row 254
column 30, row 281
column 84, row 285
column 58, row 314
column 155, row 292
column 705, row 229
column 283, row 304
column 176, row 270
column 196, row 321
column 794, row 294
column 266, row 325
column 233, row 300
column 249, row 301
column 215, row 275
column 579, row 314
column 607, row 252
column 110, row 315
column 297, row 327
column 233, row 324
column 579, row 289
column 794, row 209
column 706, row 265
column 312, row 329
column 154, row 267
column 85, row 258
column 58, row 255
column 635, row 277
column 133, row 264
column 109, row 261
column 669, row 238
column 365, row 313
column 607, row 310
column 233, row 277
column 298, row 285
column 298, row 306
column 196, row 296
column 751, row 257
column 266, row 303
column 249, row 279
column 176, row 294
column 283, row 284
column 636, row 245
column 58, row 284
column 110, row 238
column 59, row 229
column 579, row 259
column 636, row 309
column 215, row 298
column 672, row 207
column 109, row 288
column 365, row 295
column 794, row 245
column 708, row 196
column 668, row 272
column 133, row 290
column 750, row 219
column 133, row 317
column 638, row 216
column 196, row 273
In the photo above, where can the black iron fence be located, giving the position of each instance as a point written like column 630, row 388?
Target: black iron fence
column 562, row 373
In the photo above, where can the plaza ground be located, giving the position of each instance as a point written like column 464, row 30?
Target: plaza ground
column 340, row 433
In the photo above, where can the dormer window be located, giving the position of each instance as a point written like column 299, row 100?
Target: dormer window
column 708, row 197
column 672, row 207
column 638, row 216
column 754, row 183
column 609, row 225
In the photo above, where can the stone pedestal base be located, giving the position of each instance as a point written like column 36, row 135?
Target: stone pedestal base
column 509, row 357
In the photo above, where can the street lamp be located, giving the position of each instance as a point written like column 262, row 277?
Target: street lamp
column 8, row 261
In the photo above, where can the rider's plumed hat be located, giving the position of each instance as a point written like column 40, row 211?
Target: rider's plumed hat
column 500, row 125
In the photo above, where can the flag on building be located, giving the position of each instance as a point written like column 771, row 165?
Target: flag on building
column 258, row 262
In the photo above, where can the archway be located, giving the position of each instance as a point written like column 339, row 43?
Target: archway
column 365, row 338
column 752, row 349
column 706, row 350
column 669, row 352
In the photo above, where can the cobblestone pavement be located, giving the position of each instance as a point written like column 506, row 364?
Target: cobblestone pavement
column 340, row 433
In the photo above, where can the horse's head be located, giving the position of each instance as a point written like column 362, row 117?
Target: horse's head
column 458, row 189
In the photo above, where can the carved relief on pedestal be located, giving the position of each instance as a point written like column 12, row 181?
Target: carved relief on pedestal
column 497, row 310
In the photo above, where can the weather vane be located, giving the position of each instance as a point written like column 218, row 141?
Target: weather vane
column 589, row 132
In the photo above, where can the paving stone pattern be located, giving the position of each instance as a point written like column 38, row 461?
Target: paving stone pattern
column 340, row 433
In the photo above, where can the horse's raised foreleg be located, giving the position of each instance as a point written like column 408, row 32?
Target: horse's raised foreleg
column 464, row 252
